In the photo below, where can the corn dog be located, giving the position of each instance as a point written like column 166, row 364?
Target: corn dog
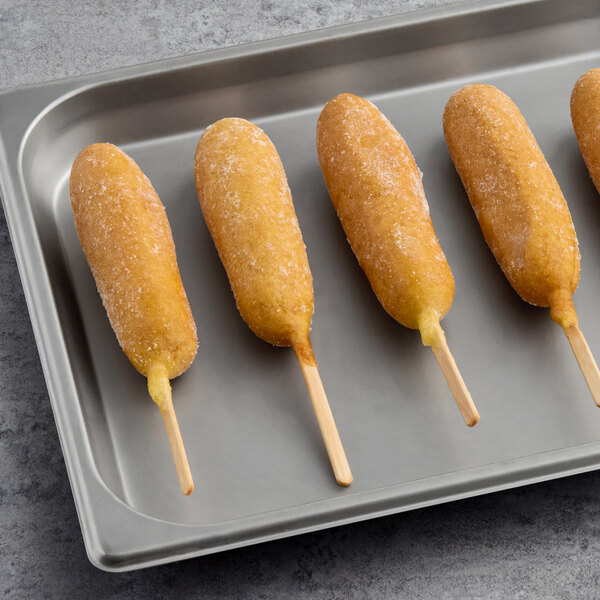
column 126, row 238
column 376, row 189
column 585, row 114
column 520, row 207
column 247, row 205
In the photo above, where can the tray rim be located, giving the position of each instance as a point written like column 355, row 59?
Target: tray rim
column 409, row 18
column 92, row 496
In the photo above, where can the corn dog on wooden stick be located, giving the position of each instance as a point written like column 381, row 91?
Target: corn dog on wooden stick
column 585, row 114
column 126, row 238
column 520, row 207
column 376, row 189
column 247, row 205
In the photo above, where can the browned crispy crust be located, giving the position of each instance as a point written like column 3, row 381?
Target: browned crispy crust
column 376, row 189
column 520, row 207
column 585, row 114
column 126, row 238
column 247, row 205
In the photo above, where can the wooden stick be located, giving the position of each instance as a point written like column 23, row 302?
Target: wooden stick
column 331, row 437
column 457, row 386
column 160, row 391
column 586, row 361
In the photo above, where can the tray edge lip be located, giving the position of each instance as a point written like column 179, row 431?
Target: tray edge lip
column 590, row 462
column 311, row 36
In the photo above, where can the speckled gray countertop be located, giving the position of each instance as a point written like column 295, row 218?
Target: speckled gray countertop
column 541, row 541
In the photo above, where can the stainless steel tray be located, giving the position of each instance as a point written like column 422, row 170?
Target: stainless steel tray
column 260, row 468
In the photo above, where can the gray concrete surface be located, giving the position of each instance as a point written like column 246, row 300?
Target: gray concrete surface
column 542, row 541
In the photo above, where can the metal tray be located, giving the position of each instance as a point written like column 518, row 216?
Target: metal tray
column 259, row 464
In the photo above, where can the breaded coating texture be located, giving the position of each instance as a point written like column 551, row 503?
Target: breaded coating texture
column 516, row 198
column 126, row 238
column 376, row 189
column 247, row 205
column 585, row 114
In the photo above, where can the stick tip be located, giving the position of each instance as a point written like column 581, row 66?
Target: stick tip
column 344, row 481
column 188, row 488
column 343, row 475
column 457, row 386
column 472, row 419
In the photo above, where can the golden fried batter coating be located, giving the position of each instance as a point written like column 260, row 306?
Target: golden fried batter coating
column 376, row 189
column 585, row 114
column 516, row 198
column 247, row 205
column 126, row 238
